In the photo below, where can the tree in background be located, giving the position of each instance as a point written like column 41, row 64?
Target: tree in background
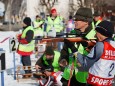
column 74, row 5
column 48, row 4
column 8, row 5
column 12, row 7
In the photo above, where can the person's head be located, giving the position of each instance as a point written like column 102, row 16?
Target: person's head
column 26, row 22
column 104, row 30
column 70, row 17
column 53, row 12
column 97, row 15
column 37, row 17
column 83, row 18
column 49, row 52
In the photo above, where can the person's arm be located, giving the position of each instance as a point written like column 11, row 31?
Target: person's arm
column 39, row 63
column 64, row 53
column 94, row 55
column 29, row 36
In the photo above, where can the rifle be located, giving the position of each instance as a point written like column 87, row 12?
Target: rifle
column 90, row 42
column 40, row 73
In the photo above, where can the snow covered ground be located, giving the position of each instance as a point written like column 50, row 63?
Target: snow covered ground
column 8, row 77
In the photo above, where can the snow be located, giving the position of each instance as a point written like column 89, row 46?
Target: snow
column 8, row 77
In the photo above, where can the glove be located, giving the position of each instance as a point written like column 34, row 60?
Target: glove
column 84, row 43
column 23, row 41
column 70, row 45
column 18, row 36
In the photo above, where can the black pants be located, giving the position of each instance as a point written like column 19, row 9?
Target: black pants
column 64, row 81
column 26, row 62
column 88, row 85
column 73, row 82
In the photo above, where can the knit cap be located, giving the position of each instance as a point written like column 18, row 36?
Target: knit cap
column 27, row 21
column 106, row 28
column 49, row 50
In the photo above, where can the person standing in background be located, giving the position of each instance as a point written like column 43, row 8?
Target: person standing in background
column 38, row 29
column 96, row 18
column 54, row 22
column 54, row 25
column 26, row 43
column 70, row 25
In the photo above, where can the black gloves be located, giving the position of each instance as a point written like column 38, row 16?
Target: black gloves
column 84, row 43
column 70, row 45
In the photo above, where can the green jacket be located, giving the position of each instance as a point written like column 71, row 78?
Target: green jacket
column 80, row 76
column 53, row 64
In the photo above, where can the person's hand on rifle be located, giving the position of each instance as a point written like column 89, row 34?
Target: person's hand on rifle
column 84, row 43
column 37, row 67
column 71, row 46
column 88, row 44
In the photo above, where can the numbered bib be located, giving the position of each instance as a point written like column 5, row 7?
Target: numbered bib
column 12, row 44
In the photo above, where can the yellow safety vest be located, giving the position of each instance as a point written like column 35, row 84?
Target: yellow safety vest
column 55, row 63
column 27, row 47
column 57, row 24
column 38, row 30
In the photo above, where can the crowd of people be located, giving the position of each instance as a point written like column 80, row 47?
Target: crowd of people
column 71, row 63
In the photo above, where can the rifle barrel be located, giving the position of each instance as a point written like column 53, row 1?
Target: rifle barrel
column 77, row 39
column 90, row 42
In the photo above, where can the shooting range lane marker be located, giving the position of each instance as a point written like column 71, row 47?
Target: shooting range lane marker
column 2, row 66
